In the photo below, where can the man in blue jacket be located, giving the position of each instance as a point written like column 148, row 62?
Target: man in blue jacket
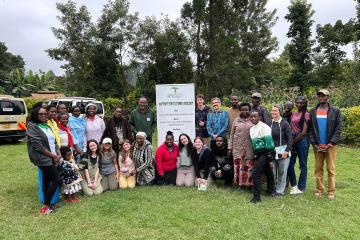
column 217, row 122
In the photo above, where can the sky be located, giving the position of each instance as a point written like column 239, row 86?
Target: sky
column 25, row 25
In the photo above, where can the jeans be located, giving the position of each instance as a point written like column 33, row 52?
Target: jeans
column 261, row 165
column 280, row 173
column 301, row 151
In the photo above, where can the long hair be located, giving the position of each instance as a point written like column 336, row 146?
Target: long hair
column 123, row 153
column 111, row 150
column 304, row 110
column 88, row 151
column 189, row 146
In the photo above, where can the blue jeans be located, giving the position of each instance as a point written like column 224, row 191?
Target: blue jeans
column 302, row 151
column 280, row 173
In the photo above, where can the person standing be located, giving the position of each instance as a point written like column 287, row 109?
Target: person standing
column 52, row 122
column 263, row 147
column 299, row 127
column 217, row 121
column 77, row 126
column 256, row 106
column 61, row 108
column 233, row 111
column 95, row 125
column 325, row 131
column 240, row 148
column 143, row 156
column 288, row 107
column 65, row 134
column 201, row 112
column 117, row 129
column 44, row 153
column 143, row 119
column 165, row 159
column 282, row 137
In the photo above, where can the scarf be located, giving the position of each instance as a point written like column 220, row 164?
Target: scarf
column 67, row 130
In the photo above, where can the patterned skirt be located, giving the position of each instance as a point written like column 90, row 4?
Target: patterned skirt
column 243, row 172
column 72, row 189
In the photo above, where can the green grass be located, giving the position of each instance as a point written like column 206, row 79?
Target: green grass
column 178, row 213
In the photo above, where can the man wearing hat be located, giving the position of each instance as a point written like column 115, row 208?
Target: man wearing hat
column 256, row 106
column 325, row 130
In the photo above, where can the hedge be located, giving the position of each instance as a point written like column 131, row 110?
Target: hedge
column 351, row 125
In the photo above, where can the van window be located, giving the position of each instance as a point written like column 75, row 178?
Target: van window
column 12, row 107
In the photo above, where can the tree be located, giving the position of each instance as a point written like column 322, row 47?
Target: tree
column 8, row 63
column 299, row 16
column 94, row 52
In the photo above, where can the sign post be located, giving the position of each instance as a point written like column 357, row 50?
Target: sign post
column 175, row 107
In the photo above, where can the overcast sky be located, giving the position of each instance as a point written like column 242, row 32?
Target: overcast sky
column 25, row 24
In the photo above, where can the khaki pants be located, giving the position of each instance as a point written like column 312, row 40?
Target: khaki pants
column 90, row 192
column 109, row 182
column 185, row 176
column 329, row 157
column 127, row 181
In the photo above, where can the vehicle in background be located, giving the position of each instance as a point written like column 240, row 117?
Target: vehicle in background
column 13, row 116
column 81, row 102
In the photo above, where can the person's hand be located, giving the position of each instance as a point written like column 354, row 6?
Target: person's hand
column 218, row 174
column 199, row 180
column 271, row 165
column 56, row 158
column 92, row 186
column 284, row 155
column 201, row 123
column 132, row 173
column 117, row 176
column 215, row 136
column 229, row 152
column 316, row 147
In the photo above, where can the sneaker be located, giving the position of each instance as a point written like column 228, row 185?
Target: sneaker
column 45, row 210
column 255, row 200
column 318, row 194
column 295, row 190
column 75, row 200
column 68, row 200
column 331, row 196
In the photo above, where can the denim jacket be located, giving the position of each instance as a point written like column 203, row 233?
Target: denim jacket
column 217, row 123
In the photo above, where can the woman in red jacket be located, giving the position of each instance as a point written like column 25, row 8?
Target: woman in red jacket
column 165, row 159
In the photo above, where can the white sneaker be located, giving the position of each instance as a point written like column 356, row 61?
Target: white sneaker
column 295, row 190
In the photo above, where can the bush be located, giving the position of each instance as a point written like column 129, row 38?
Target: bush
column 351, row 125
column 30, row 102
column 110, row 104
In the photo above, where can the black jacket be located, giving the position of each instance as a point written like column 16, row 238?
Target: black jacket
column 333, row 130
column 110, row 131
column 204, row 162
column 37, row 142
column 286, row 136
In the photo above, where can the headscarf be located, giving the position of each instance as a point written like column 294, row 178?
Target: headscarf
column 141, row 134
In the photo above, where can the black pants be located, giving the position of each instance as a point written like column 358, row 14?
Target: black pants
column 170, row 177
column 261, row 165
column 228, row 176
column 51, row 180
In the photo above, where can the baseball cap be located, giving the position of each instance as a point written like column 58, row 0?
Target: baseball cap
column 107, row 140
column 323, row 91
column 256, row 95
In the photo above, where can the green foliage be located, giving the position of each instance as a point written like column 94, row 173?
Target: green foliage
column 30, row 102
column 110, row 104
column 351, row 125
column 8, row 63
column 299, row 17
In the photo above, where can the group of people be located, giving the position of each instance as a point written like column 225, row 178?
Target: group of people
column 238, row 146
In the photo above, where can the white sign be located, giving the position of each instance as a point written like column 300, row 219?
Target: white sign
column 175, row 107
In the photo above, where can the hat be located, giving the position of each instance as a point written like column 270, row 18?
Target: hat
column 107, row 140
column 256, row 95
column 141, row 134
column 90, row 105
column 323, row 91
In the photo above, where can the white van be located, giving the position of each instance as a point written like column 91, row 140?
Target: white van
column 81, row 102
column 13, row 114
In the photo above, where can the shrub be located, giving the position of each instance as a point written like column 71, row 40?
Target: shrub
column 351, row 125
column 110, row 104
column 30, row 102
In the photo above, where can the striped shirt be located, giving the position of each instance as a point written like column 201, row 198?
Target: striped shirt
column 321, row 118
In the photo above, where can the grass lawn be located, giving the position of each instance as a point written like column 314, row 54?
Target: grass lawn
column 178, row 213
